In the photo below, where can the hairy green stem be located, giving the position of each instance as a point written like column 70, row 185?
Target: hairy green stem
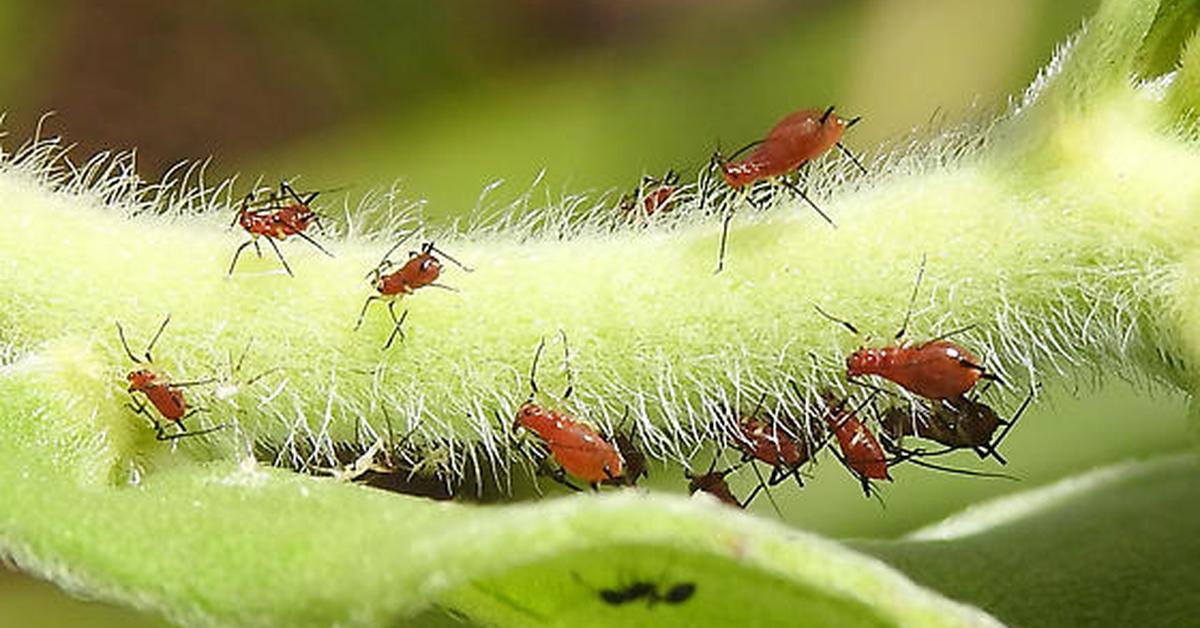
column 1062, row 236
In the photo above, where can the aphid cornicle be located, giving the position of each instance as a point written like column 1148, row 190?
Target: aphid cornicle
column 578, row 449
column 937, row 369
column 279, row 217
column 797, row 139
column 422, row 269
column 165, row 395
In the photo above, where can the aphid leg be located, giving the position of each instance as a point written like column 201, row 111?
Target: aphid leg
column 913, row 456
column 140, row 408
column 728, row 211
column 397, row 330
column 279, row 254
column 245, row 205
column 1013, row 421
column 560, row 476
column 850, row 155
column 198, row 382
column 313, row 242
column 183, row 433
column 238, row 253
column 762, row 485
column 363, row 313
column 798, row 192
column 257, row 248
column 442, row 286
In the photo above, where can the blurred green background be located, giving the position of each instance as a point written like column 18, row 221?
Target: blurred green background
column 443, row 98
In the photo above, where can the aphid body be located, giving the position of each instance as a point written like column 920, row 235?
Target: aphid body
column 939, row 369
column 860, row 449
column 800, row 137
column 580, row 450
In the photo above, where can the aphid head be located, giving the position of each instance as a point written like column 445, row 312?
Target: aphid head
column 141, row 379
column 863, row 362
column 528, row 414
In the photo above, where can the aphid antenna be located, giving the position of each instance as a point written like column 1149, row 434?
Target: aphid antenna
column 567, row 367
column 430, row 247
column 954, row 332
column 278, row 253
column 912, row 300
column 537, row 355
column 383, row 262
column 844, row 323
column 125, row 344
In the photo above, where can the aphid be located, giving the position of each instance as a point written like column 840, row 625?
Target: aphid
column 937, row 369
column 166, row 396
column 861, row 451
column 277, row 219
column 422, row 269
column 714, row 483
column 577, row 448
column 960, row 423
column 633, row 459
column 655, row 194
column 644, row 590
column 797, row 139
column 764, row 441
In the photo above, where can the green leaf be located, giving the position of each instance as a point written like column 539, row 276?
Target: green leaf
column 1112, row 547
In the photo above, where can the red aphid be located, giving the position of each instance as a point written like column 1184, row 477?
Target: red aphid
column 936, row 370
column 166, row 396
column 861, row 451
column 657, row 195
column 800, row 137
column 580, row 450
column 422, row 269
column 277, row 220
column 797, row 139
column 577, row 448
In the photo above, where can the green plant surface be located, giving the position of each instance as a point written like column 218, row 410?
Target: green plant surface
column 1119, row 543
column 1062, row 235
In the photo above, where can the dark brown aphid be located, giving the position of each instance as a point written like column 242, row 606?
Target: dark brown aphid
column 961, row 423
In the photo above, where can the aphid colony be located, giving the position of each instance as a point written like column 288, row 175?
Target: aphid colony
column 941, row 403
